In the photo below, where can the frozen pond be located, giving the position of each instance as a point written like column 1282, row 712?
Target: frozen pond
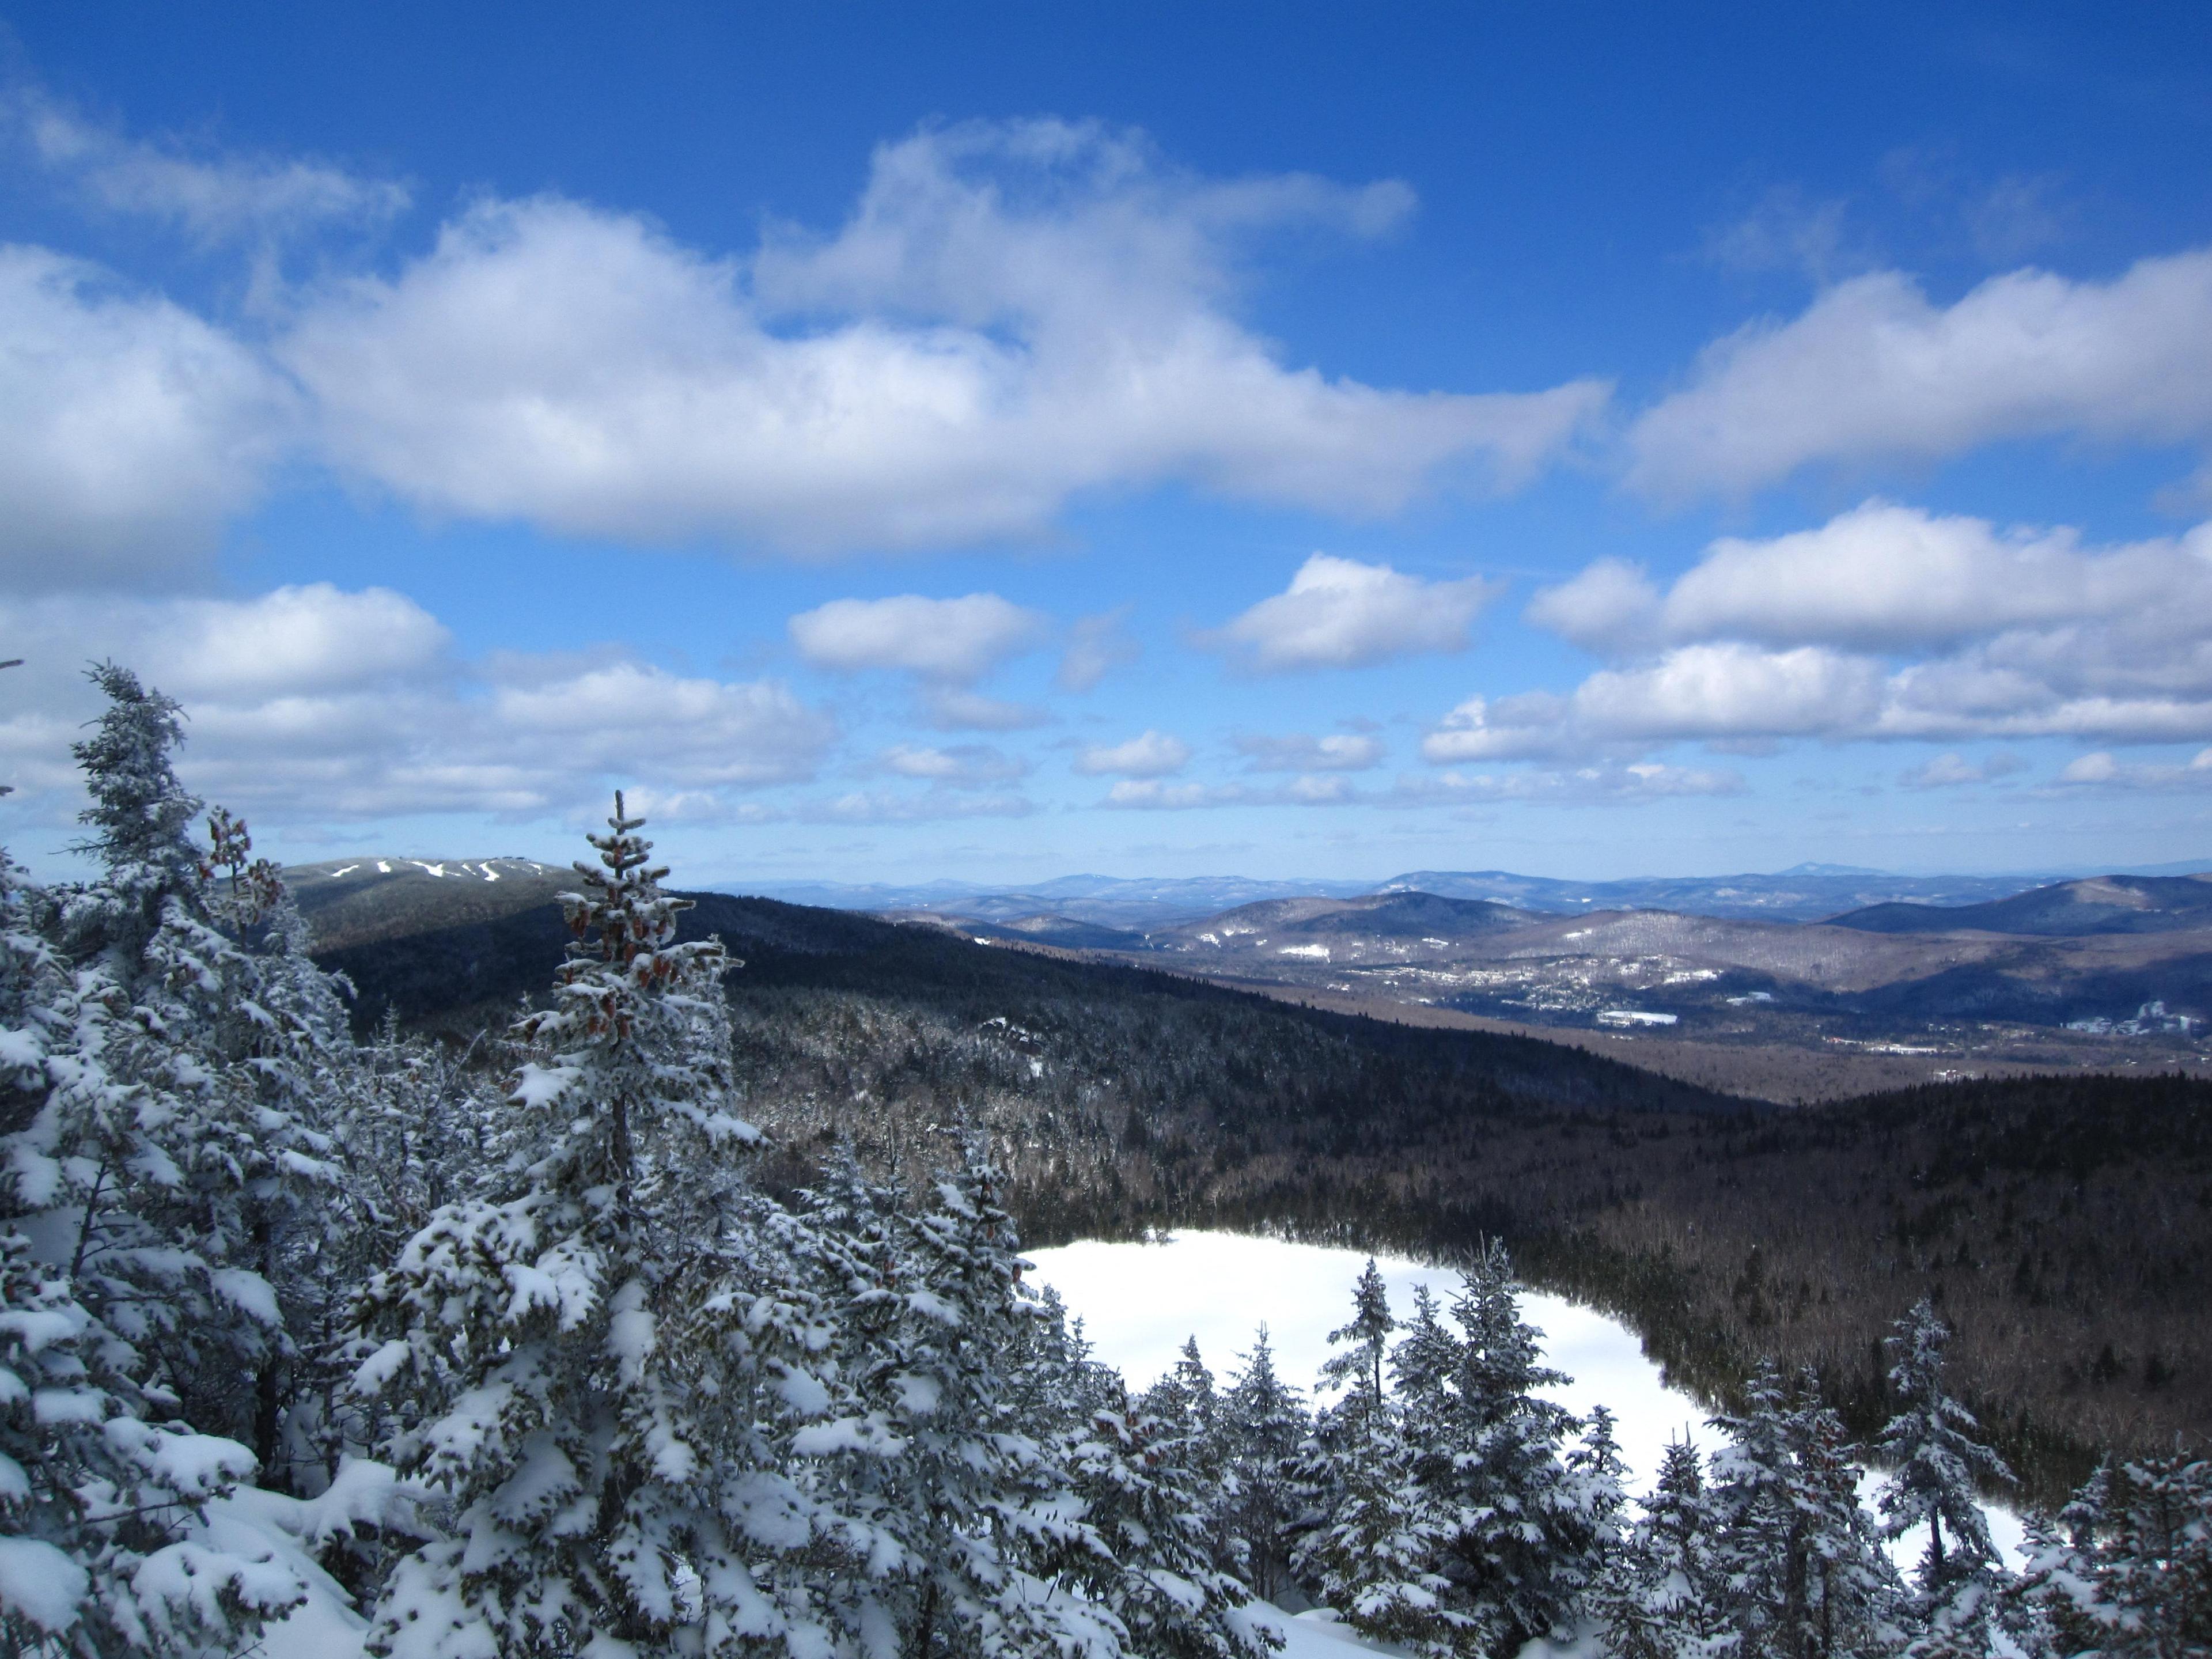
column 1139, row 1302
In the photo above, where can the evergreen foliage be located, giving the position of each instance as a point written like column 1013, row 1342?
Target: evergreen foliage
column 635, row 1404
column 1937, row 1468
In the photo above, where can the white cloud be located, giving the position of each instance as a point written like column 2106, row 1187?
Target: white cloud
column 1887, row 621
column 955, row 641
column 1301, row 751
column 875, row 806
column 1873, row 371
column 1715, row 692
column 1609, row 782
column 1014, row 314
column 1885, row 577
column 1095, row 646
column 309, row 705
column 212, row 198
column 1951, row 771
column 130, row 431
column 1152, row 795
column 963, row 766
column 1611, row 602
column 2102, row 769
column 1340, row 613
column 1150, row 755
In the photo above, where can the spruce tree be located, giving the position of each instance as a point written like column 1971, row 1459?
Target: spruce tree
column 598, row 1361
column 1659, row 1594
column 1145, row 1490
column 183, row 1135
column 1360, row 1366
column 2127, row 1573
column 1806, row 1574
column 1519, row 1541
column 954, row 1533
column 1935, row 1465
column 101, row 1503
column 1375, row 1557
column 1264, row 1423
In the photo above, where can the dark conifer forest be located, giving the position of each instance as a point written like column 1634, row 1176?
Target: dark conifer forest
column 641, row 1275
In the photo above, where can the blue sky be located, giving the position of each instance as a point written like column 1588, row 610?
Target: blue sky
column 994, row 441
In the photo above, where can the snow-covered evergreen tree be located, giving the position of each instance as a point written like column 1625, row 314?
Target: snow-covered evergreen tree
column 1359, row 1367
column 1373, row 1559
column 2127, row 1573
column 1521, row 1542
column 1804, row 1572
column 957, row 1531
column 180, row 1137
column 593, row 1360
column 102, row 1550
column 1658, row 1596
column 1144, row 1488
column 1264, row 1422
column 1935, row 1465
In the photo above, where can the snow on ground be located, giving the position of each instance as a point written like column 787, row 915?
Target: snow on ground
column 1138, row 1302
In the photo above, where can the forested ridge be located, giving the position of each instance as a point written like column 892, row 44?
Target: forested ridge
column 657, row 1320
column 2064, row 1223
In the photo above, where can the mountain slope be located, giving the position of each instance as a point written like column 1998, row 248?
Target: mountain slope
column 2066, row 909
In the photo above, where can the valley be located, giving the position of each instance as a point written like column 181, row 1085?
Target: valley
column 2060, row 1213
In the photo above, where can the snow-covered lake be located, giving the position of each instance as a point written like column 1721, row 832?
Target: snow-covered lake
column 1139, row 1302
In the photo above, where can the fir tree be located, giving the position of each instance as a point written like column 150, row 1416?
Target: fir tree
column 1146, row 1493
column 1935, row 1465
column 102, row 1549
column 2128, row 1573
column 1804, row 1573
column 1520, row 1542
column 957, row 1534
column 1264, row 1423
column 1368, row 1332
column 1658, row 1595
column 593, row 1361
column 182, row 1130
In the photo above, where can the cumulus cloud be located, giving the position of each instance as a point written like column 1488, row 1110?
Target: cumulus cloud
column 1014, row 313
column 1155, row 796
column 1609, row 782
column 1887, row 621
column 1951, row 771
column 1340, row 613
column 878, row 806
column 314, row 704
column 961, row 766
column 1302, row 751
column 955, row 641
column 2102, row 770
column 1710, row 692
column 130, row 431
column 1872, row 370
column 1149, row 755
column 1609, row 603
column 1095, row 646
column 213, row 198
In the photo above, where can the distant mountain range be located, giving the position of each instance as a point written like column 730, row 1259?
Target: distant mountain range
column 1807, row 892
